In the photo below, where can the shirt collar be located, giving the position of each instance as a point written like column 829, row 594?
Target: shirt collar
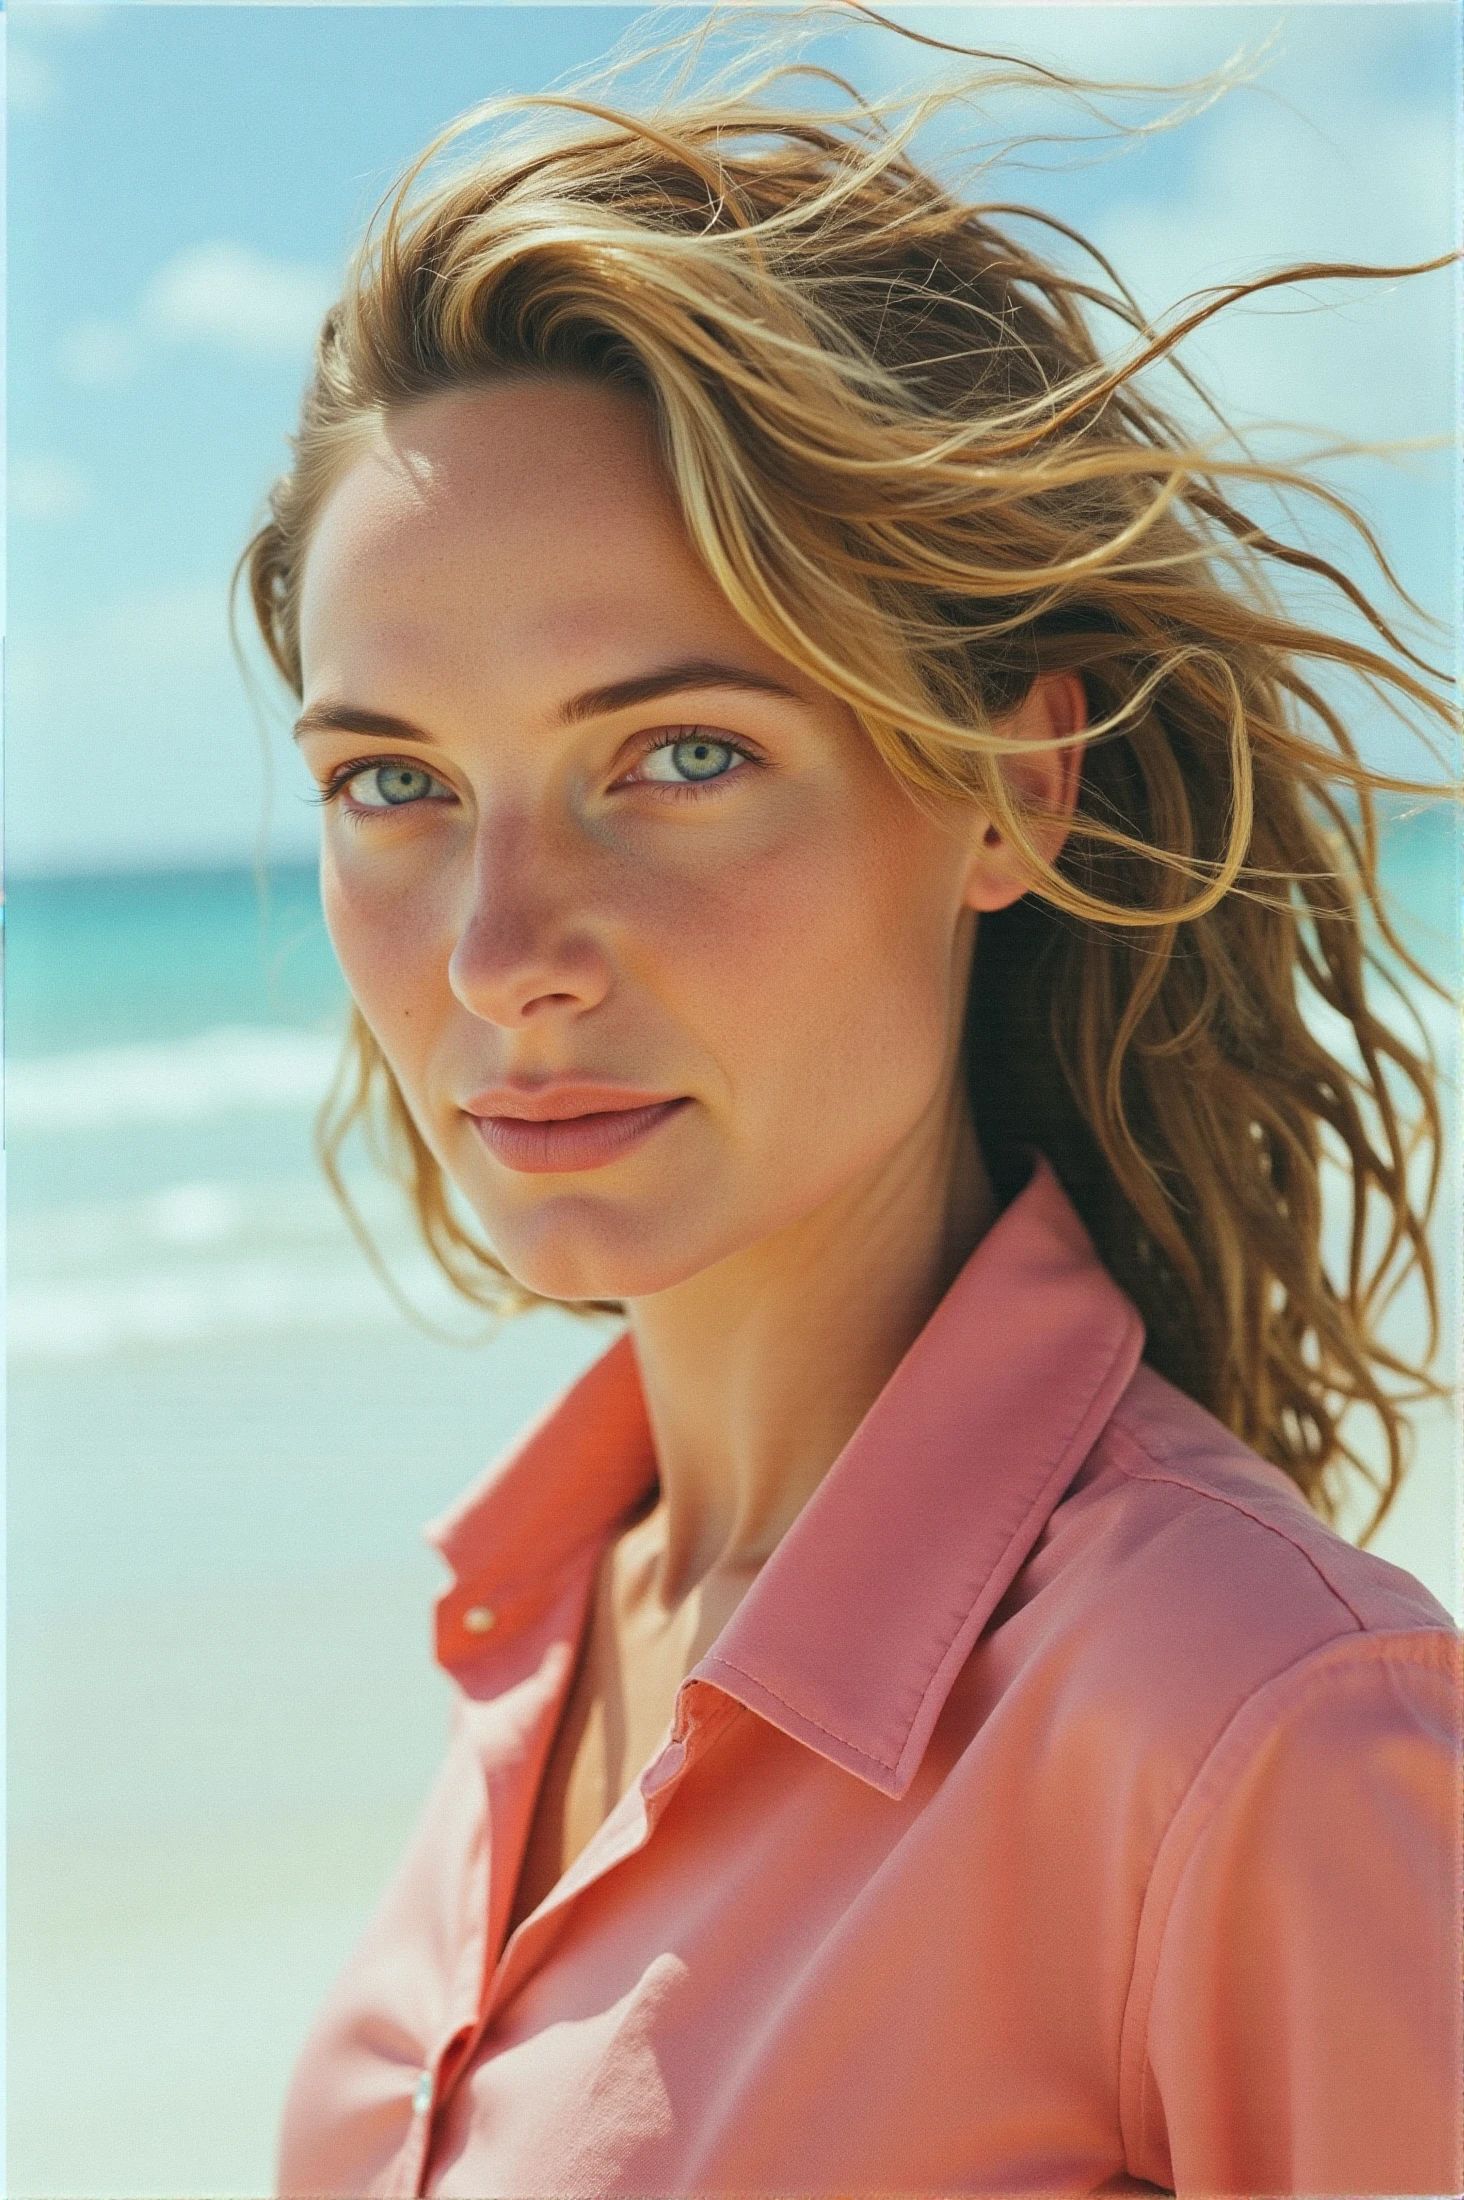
column 853, row 1633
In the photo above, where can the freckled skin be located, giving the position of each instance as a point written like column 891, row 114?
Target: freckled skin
column 789, row 947
column 786, row 948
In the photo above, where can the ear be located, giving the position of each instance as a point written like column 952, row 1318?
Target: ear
column 1053, row 707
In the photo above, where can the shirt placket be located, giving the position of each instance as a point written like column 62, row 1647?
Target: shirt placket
column 701, row 1712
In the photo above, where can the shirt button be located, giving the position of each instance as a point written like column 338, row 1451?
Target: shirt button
column 422, row 2094
column 480, row 1619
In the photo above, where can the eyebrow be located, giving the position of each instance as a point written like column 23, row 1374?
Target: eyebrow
column 648, row 687
column 598, row 702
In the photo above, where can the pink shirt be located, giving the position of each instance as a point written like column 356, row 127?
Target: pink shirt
column 1063, row 1809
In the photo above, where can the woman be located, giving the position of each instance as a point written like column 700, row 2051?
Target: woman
column 829, row 834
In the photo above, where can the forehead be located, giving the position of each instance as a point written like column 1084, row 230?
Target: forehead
column 531, row 515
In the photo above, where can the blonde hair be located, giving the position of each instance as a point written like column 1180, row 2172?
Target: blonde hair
column 901, row 453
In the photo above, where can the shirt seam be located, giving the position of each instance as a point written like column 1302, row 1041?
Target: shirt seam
column 1369, row 1647
column 1160, row 1471
column 807, row 1716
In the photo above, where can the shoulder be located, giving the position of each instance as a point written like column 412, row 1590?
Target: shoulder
column 1257, row 1729
column 1179, row 1499
column 1183, row 1582
column 1292, row 2019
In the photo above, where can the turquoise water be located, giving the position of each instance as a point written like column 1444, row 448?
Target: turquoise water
column 94, row 962
column 164, row 1030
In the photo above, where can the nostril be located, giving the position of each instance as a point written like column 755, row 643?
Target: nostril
column 525, row 946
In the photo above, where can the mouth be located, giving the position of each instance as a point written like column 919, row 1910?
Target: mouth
column 538, row 1133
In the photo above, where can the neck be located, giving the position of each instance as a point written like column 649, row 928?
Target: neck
column 757, row 1371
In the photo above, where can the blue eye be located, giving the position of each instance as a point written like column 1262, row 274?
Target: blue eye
column 389, row 786
column 696, row 756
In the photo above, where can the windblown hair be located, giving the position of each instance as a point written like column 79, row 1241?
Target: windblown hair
column 902, row 453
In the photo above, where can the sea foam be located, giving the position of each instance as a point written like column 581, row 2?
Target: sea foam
column 182, row 1080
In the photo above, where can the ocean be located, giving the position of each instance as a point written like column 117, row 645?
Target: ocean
column 224, row 1436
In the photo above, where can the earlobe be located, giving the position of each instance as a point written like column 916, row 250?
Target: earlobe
column 1052, row 711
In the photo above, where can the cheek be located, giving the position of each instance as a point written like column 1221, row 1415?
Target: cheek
column 392, row 940
column 818, row 974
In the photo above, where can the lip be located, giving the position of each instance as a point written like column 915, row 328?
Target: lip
column 567, row 1126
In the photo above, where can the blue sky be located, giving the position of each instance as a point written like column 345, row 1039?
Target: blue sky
column 186, row 180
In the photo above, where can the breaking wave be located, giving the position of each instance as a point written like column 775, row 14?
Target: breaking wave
column 182, row 1080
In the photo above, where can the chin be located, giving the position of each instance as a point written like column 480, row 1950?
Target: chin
column 588, row 1253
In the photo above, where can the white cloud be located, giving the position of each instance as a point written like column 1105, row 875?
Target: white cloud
column 222, row 293
column 1360, row 360
column 1312, row 160
column 66, row 18
column 45, row 488
column 30, row 81
column 98, row 354
column 232, row 295
column 1157, row 45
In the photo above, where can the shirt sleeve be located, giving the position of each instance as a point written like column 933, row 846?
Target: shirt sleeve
column 1297, row 1993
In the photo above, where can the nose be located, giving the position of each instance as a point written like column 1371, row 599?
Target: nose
column 528, row 946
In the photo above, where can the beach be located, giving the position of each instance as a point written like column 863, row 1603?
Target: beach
column 224, row 1439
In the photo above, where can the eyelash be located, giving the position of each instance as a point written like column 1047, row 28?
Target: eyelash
column 343, row 774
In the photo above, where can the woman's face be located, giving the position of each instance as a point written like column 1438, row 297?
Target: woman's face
column 663, row 957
